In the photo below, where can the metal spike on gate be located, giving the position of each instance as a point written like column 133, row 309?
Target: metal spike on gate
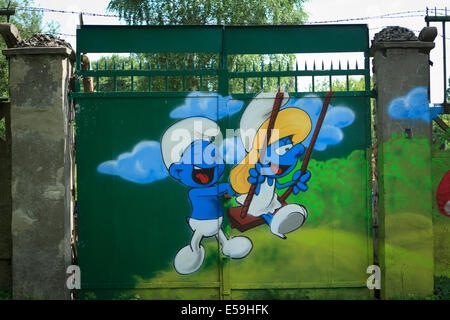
column 340, row 68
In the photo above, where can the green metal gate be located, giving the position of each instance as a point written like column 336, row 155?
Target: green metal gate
column 132, row 209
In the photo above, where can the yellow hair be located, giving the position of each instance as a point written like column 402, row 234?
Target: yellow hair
column 289, row 122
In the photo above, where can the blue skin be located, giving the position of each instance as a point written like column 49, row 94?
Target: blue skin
column 280, row 159
column 200, row 169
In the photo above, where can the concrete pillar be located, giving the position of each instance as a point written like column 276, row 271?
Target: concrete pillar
column 401, row 78
column 5, row 200
column 41, row 170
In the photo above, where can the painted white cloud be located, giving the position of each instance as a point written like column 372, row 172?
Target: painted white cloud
column 207, row 104
column 143, row 164
column 413, row 105
column 336, row 118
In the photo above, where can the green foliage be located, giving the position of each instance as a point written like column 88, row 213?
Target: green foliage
column 354, row 84
column 441, row 138
column 2, row 129
column 189, row 61
column 442, row 288
column 209, row 11
column 123, row 83
column 6, row 294
column 28, row 23
column 243, row 12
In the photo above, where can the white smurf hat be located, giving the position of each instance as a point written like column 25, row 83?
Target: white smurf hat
column 181, row 134
column 256, row 113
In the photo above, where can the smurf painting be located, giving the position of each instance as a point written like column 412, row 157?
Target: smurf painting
column 193, row 159
column 284, row 148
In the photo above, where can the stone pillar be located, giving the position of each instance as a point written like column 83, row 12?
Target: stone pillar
column 5, row 200
column 41, row 170
column 403, row 124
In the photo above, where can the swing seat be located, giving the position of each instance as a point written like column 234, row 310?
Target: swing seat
column 249, row 222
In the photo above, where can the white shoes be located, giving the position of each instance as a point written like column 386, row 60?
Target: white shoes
column 190, row 258
column 237, row 247
column 287, row 219
column 188, row 261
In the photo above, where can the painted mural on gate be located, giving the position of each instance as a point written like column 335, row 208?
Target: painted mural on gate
column 265, row 152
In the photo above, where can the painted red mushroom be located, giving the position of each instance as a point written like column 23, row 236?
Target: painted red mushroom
column 443, row 195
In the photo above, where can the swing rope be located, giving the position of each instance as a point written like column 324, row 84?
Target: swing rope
column 323, row 112
column 275, row 109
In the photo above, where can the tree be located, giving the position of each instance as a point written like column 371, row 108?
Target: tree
column 200, row 12
column 441, row 138
column 28, row 23
column 209, row 11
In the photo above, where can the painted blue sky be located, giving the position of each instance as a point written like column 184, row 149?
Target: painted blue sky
column 336, row 118
column 232, row 150
column 207, row 104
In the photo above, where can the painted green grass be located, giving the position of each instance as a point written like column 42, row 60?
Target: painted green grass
column 309, row 258
column 333, row 249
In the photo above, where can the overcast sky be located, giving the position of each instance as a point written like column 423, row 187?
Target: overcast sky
column 318, row 10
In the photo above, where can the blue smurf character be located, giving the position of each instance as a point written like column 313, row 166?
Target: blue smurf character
column 194, row 160
column 279, row 158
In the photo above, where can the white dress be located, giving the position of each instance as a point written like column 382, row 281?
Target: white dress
column 266, row 201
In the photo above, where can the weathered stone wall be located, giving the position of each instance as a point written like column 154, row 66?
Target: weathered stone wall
column 5, row 201
column 39, row 80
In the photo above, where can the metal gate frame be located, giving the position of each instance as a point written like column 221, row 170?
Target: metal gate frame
column 224, row 41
